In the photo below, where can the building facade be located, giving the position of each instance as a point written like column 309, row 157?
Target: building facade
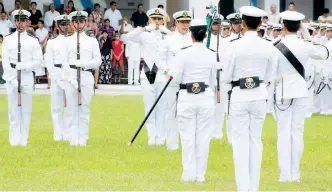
column 311, row 8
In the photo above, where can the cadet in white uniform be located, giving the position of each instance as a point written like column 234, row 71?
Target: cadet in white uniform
column 195, row 107
column 21, row 55
column 291, row 94
column 215, row 31
column 236, row 26
column 321, row 36
column 134, row 55
column 82, row 55
column 247, row 70
column 176, row 42
column 54, row 59
column 154, row 73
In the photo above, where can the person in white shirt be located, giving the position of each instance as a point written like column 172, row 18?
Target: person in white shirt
column 125, row 28
column 325, row 17
column 274, row 16
column 5, row 25
column 248, row 70
column 291, row 94
column 179, row 40
column 41, row 34
column 49, row 16
column 114, row 15
column 195, row 74
column 152, row 39
column 321, row 36
column 236, row 25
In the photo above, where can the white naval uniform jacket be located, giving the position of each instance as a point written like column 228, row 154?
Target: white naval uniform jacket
column 196, row 64
column 153, row 49
column 294, row 85
column 175, row 43
column 321, row 39
column 31, row 55
column 55, row 54
column 89, row 54
column 247, row 57
column 133, row 51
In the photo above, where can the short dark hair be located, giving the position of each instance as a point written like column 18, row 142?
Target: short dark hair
column 252, row 22
column 107, row 20
column 96, row 5
column 326, row 11
column 112, row 3
column 1, row 36
column 292, row 26
column 139, row 5
column 198, row 32
column 33, row 2
column 291, row 3
column 41, row 21
column 161, row 6
column 265, row 17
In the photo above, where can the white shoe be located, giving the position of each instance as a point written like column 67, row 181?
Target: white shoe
column 151, row 142
column 58, row 139
column 172, row 148
column 200, row 180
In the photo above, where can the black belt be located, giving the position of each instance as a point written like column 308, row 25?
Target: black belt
column 13, row 65
column 74, row 67
column 58, row 65
column 237, row 83
column 184, row 86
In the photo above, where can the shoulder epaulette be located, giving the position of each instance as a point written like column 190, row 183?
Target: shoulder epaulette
column 267, row 39
column 185, row 47
column 10, row 34
column 32, row 35
column 275, row 43
column 235, row 39
column 212, row 50
column 164, row 33
column 226, row 36
column 69, row 34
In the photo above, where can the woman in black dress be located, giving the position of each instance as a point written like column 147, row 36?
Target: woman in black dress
column 35, row 15
column 106, row 54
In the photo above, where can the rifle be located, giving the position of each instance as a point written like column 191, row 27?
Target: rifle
column 218, row 70
column 19, row 102
column 66, row 34
column 79, row 70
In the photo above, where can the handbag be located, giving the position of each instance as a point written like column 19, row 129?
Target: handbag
column 116, row 70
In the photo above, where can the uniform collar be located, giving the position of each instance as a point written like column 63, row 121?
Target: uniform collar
column 181, row 33
column 251, row 34
column 291, row 36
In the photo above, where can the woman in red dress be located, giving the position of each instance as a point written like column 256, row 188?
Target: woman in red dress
column 117, row 61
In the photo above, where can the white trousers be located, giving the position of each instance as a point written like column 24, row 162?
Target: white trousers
column 57, row 110
column 290, row 138
column 172, row 135
column 310, row 102
column 219, row 114
column 20, row 116
column 195, row 123
column 247, row 119
column 78, row 117
column 155, row 124
column 133, row 71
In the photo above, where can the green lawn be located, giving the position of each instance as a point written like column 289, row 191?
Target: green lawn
column 106, row 163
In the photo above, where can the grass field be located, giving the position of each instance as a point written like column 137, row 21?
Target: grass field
column 106, row 163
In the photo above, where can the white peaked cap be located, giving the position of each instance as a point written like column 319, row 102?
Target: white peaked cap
column 156, row 12
column 198, row 22
column 252, row 11
column 292, row 16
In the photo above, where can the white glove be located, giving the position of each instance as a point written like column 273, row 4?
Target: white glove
column 20, row 66
column 150, row 27
column 61, row 84
column 163, row 29
column 74, row 83
column 14, row 83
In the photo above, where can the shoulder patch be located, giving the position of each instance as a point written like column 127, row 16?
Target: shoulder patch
column 226, row 36
column 235, row 39
column 10, row 34
column 212, row 50
column 32, row 35
column 185, row 47
column 275, row 43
